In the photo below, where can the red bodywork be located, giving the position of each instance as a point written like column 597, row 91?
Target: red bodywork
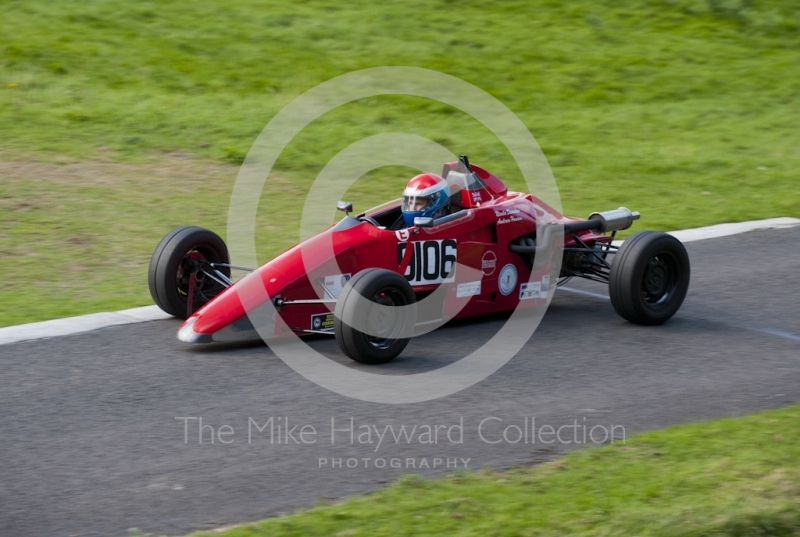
column 477, row 236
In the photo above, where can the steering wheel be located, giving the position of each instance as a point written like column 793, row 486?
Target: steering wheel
column 370, row 220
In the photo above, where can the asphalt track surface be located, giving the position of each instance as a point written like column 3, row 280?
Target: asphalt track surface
column 90, row 444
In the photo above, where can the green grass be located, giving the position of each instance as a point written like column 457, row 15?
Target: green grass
column 76, row 237
column 730, row 477
column 685, row 110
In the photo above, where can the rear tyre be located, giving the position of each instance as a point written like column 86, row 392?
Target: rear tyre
column 649, row 278
column 180, row 253
column 387, row 330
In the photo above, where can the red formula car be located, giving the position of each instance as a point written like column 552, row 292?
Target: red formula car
column 489, row 250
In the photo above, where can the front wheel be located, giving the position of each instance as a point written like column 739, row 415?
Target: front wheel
column 181, row 253
column 649, row 278
column 375, row 316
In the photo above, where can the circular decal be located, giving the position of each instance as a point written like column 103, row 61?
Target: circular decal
column 488, row 263
column 508, row 279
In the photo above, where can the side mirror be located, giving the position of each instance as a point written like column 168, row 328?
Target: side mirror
column 344, row 206
column 423, row 221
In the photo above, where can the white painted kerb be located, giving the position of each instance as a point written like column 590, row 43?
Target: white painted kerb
column 80, row 324
column 725, row 230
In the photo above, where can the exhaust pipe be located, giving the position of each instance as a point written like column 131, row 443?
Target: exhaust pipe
column 615, row 220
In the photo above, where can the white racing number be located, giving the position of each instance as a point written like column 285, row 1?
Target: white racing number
column 431, row 261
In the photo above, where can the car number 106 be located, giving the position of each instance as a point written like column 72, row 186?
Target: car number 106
column 431, row 261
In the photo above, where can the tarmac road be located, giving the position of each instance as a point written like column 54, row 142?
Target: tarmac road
column 90, row 443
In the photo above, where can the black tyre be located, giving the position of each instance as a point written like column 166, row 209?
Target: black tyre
column 649, row 278
column 388, row 330
column 181, row 252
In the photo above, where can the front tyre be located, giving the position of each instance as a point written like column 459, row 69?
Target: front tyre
column 376, row 328
column 182, row 252
column 649, row 278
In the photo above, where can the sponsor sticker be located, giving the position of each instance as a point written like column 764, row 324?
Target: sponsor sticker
column 507, row 280
column 335, row 282
column 402, row 235
column 488, row 263
column 545, row 285
column 431, row 261
column 530, row 290
column 468, row 289
column 322, row 321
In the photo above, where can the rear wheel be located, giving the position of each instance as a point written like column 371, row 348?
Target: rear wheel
column 181, row 253
column 649, row 278
column 376, row 328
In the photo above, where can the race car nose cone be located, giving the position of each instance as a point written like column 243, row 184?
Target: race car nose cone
column 187, row 334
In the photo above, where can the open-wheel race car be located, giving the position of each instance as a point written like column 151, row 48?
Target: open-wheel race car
column 460, row 241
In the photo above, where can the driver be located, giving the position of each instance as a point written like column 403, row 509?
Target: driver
column 426, row 195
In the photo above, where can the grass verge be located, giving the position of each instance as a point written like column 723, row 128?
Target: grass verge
column 729, row 477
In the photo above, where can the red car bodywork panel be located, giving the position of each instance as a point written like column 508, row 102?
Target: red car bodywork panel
column 477, row 237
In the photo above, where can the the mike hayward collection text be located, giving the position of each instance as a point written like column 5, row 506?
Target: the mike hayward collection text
column 283, row 430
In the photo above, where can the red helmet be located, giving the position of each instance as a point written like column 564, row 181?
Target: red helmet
column 425, row 195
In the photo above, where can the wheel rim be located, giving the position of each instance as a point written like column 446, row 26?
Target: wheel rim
column 660, row 279
column 191, row 263
column 385, row 325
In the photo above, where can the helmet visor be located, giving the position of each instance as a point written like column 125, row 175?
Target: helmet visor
column 413, row 204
